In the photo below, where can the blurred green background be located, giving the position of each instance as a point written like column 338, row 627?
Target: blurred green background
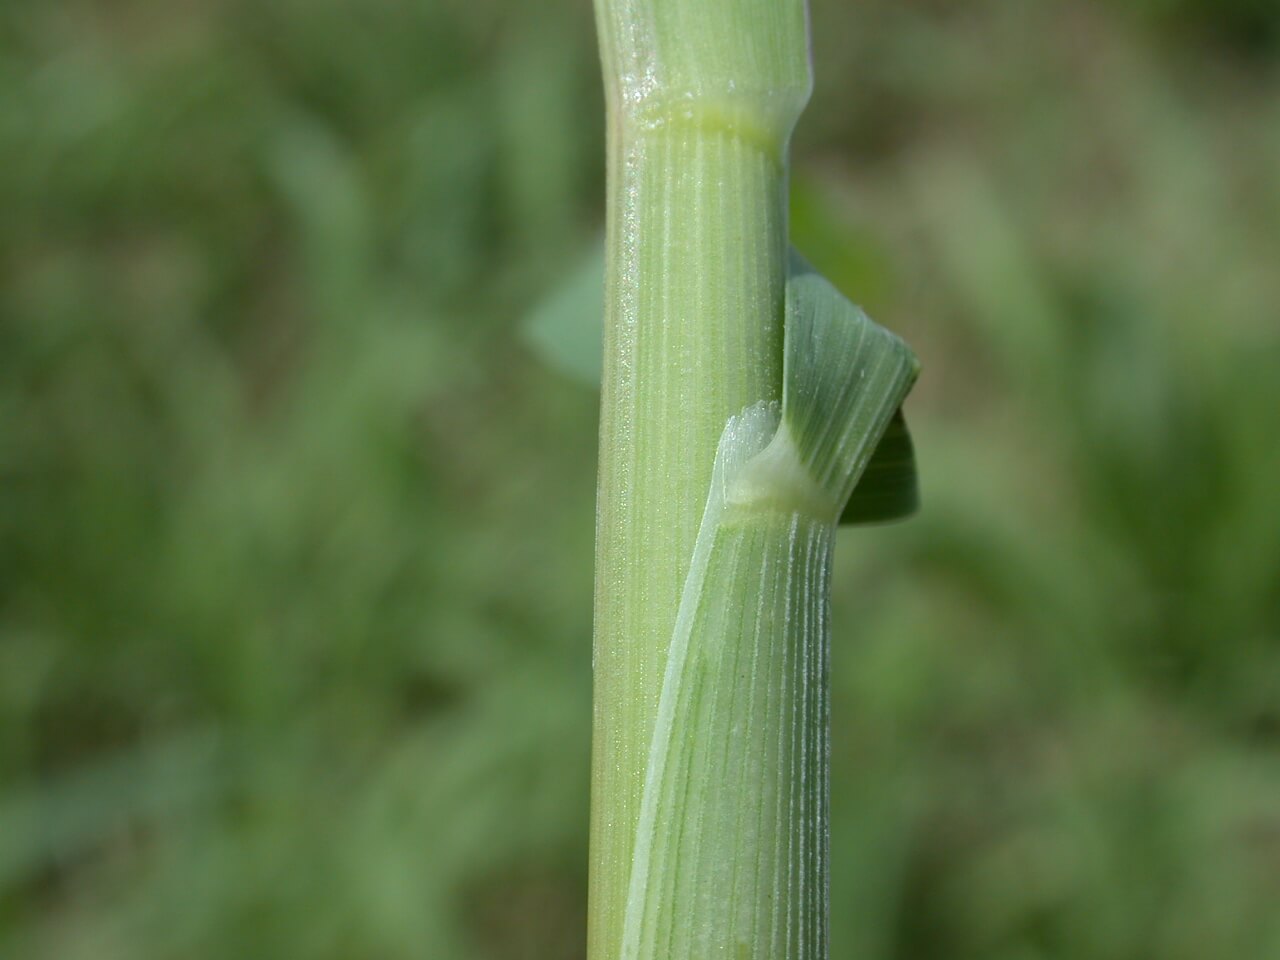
column 295, row 526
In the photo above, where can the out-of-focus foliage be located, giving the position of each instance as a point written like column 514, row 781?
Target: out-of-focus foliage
column 295, row 531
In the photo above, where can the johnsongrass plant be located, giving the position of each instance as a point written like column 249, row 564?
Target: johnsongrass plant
column 743, row 399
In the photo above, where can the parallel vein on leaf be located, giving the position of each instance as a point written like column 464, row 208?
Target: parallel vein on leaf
column 741, row 731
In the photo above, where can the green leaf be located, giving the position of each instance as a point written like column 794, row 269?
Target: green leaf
column 837, row 360
column 565, row 330
column 888, row 489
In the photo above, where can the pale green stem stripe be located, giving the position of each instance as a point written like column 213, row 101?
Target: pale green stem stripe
column 730, row 856
column 693, row 335
column 723, row 470
column 702, row 98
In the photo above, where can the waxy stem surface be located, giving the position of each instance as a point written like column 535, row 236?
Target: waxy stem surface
column 726, row 457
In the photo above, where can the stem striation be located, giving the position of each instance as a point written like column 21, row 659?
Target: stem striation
column 701, row 99
column 741, row 403
column 730, row 855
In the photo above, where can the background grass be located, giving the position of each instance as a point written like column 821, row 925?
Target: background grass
column 295, row 529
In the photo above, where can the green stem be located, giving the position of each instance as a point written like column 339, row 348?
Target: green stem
column 730, row 852
column 702, row 97
column 742, row 403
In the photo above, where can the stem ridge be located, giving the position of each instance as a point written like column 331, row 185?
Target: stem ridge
column 735, row 749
